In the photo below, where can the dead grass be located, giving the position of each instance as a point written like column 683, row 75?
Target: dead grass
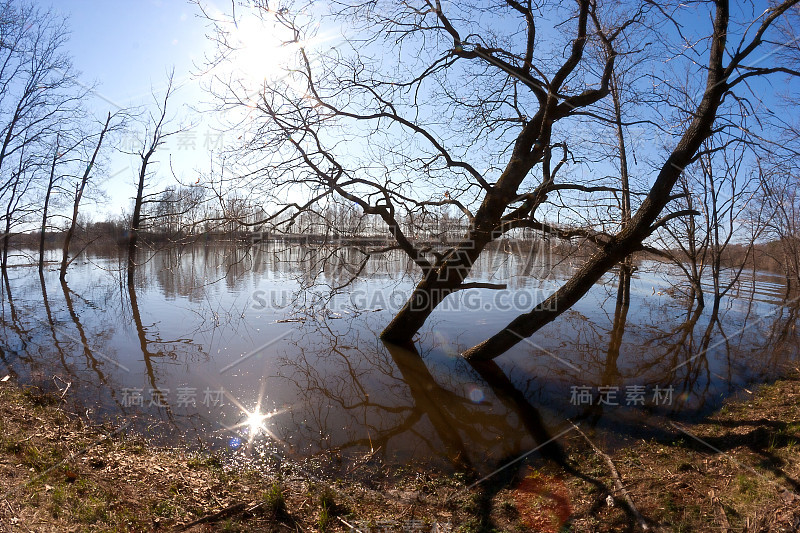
column 58, row 474
column 736, row 471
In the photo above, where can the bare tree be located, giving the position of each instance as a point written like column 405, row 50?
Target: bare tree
column 722, row 193
column 80, row 188
column 779, row 171
column 18, row 184
column 155, row 134
column 38, row 90
column 473, row 114
column 52, row 180
column 780, row 196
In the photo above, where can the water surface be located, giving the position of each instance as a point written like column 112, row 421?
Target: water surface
column 209, row 334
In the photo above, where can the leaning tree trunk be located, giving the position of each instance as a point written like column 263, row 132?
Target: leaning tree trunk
column 80, row 187
column 641, row 225
column 13, row 200
column 447, row 276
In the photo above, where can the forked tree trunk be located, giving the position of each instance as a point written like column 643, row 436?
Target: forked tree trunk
column 444, row 279
column 629, row 240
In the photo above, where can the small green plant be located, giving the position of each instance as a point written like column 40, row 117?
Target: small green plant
column 200, row 461
column 326, row 498
column 32, row 456
column 57, row 500
column 327, row 508
column 747, row 486
column 163, row 509
column 59, row 496
column 790, row 445
column 324, row 517
column 669, row 503
column 274, row 501
column 91, row 510
column 230, row 526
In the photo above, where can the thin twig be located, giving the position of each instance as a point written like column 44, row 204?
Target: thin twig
column 227, row 512
column 620, row 488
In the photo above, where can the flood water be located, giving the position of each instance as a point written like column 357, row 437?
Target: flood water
column 212, row 333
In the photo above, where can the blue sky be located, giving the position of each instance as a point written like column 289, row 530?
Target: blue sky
column 127, row 48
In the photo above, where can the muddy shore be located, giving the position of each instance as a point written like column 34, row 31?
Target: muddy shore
column 736, row 470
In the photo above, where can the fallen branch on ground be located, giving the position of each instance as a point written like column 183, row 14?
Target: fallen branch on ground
column 619, row 487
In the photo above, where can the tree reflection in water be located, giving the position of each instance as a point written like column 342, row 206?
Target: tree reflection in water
column 189, row 314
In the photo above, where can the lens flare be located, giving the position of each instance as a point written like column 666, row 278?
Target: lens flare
column 255, row 422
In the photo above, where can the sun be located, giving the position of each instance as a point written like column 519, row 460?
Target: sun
column 261, row 45
column 260, row 49
column 255, row 422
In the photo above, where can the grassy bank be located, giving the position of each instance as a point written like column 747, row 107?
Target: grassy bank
column 59, row 474
column 736, row 471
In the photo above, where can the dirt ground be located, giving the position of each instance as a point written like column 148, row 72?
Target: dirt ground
column 737, row 470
